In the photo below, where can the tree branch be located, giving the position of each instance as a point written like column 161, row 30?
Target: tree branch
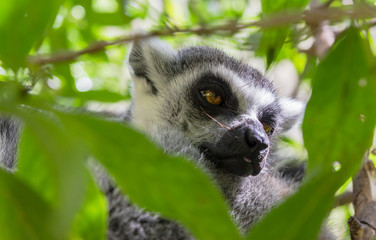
column 343, row 199
column 276, row 20
column 363, row 223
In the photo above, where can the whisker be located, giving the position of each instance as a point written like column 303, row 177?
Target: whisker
column 215, row 120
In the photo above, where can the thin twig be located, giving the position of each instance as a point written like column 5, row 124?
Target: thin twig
column 276, row 20
column 343, row 199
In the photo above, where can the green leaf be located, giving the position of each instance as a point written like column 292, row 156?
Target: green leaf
column 301, row 215
column 342, row 110
column 172, row 186
column 333, row 131
column 51, row 163
column 274, row 38
column 117, row 18
column 99, row 95
column 91, row 221
column 24, row 23
column 270, row 6
column 58, row 175
column 59, row 42
column 23, row 213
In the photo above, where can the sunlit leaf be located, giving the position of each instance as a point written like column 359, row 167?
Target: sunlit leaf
column 25, row 23
column 50, row 162
column 91, row 221
column 23, row 213
column 274, row 38
column 342, row 107
column 58, row 174
column 99, row 95
column 59, row 42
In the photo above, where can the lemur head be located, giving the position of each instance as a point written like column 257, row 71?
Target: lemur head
column 199, row 98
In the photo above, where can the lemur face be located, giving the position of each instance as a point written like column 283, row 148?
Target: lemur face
column 223, row 109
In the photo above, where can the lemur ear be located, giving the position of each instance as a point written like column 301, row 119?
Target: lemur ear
column 151, row 59
column 292, row 112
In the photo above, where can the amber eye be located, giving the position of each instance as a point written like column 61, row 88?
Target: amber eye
column 268, row 128
column 211, row 97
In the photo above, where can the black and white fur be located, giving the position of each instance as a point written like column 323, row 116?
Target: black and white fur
column 224, row 140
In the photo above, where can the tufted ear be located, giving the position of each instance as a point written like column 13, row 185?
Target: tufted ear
column 152, row 59
column 292, row 112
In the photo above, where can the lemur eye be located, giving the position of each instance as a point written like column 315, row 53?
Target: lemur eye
column 211, row 97
column 269, row 129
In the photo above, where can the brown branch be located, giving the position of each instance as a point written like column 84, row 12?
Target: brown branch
column 276, row 20
column 324, row 36
column 343, row 199
column 363, row 224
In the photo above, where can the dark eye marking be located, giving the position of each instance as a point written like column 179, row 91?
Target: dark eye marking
column 213, row 94
column 268, row 119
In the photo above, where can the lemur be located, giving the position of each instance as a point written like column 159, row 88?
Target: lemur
column 220, row 113
column 224, row 115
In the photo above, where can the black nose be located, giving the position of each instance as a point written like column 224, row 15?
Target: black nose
column 241, row 151
column 254, row 139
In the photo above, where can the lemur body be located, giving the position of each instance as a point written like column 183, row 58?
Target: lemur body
column 202, row 104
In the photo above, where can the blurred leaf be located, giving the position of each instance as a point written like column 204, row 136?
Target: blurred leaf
column 298, row 59
column 24, row 23
column 32, row 168
column 122, row 4
column 111, row 19
column 207, row 12
column 333, row 131
column 59, row 43
column 274, row 38
column 342, row 105
column 175, row 11
column 52, row 163
column 91, row 221
column 301, row 215
column 270, row 6
column 137, row 9
column 87, row 32
column 309, row 68
column 103, row 18
column 234, row 8
column 23, row 213
column 154, row 180
column 99, row 95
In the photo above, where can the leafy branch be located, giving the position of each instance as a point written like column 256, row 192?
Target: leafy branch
column 316, row 15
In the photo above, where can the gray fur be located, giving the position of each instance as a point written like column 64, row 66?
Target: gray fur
column 129, row 222
column 9, row 128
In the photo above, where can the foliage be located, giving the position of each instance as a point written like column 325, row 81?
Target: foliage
column 52, row 195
